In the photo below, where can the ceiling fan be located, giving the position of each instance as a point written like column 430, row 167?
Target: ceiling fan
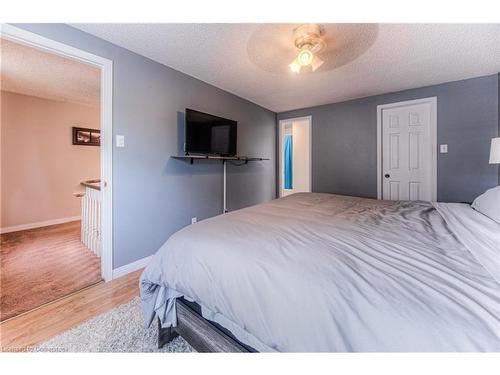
column 284, row 48
column 308, row 41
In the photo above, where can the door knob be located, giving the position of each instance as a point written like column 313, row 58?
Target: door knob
column 387, row 175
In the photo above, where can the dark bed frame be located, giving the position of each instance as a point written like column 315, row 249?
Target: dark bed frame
column 204, row 336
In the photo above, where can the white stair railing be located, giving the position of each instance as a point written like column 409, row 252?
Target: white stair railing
column 91, row 216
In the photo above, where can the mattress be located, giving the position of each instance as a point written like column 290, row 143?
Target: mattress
column 318, row 272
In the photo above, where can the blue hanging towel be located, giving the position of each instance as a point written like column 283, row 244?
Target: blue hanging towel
column 288, row 158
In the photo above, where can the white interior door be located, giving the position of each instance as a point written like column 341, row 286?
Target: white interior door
column 300, row 131
column 408, row 150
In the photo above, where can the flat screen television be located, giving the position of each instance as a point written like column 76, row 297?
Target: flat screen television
column 209, row 134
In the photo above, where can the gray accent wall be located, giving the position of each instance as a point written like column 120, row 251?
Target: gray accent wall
column 344, row 138
column 154, row 196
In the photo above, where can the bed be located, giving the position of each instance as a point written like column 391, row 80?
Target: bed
column 316, row 272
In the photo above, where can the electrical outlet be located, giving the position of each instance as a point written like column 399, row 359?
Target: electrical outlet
column 443, row 149
column 193, row 220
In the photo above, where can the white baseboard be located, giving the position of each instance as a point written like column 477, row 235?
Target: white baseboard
column 131, row 267
column 39, row 224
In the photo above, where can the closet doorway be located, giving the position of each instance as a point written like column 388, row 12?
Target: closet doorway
column 295, row 147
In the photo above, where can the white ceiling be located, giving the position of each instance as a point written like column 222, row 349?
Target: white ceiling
column 250, row 60
column 29, row 71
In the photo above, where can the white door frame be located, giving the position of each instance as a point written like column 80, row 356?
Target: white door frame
column 433, row 139
column 106, row 66
column 280, row 149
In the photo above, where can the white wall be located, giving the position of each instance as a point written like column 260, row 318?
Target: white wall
column 301, row 156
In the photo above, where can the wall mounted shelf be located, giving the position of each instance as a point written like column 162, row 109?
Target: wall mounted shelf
column 192, row 158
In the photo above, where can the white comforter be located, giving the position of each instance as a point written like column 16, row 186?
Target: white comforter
column 322, row 272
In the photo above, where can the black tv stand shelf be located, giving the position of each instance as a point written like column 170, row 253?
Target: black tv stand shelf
column 224, row 159
column 192, row 158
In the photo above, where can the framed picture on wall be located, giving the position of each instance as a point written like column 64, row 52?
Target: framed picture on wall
column 86, row 137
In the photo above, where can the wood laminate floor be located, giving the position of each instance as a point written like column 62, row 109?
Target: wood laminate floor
column 39, row 325
column 42, row 265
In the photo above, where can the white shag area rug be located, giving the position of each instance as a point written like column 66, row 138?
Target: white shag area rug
column 118, row 330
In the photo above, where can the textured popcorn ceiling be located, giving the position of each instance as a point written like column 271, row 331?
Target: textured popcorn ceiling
column 29, row 71
column 245, row 59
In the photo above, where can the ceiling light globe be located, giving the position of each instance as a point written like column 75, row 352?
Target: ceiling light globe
column 295, row 66
column 305, row 57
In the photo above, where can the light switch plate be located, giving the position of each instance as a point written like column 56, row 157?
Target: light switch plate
column 443, row 149
column 120, row 141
